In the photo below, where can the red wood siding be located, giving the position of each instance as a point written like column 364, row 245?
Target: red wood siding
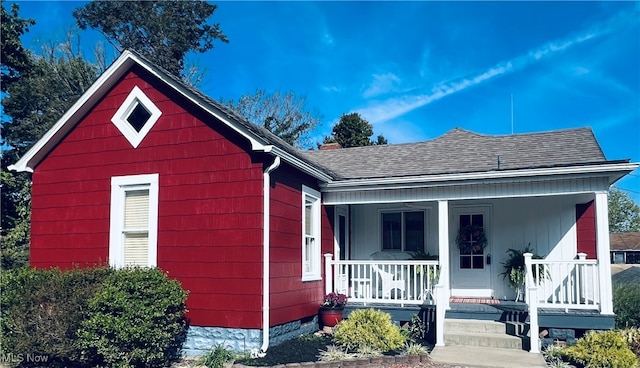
column 291, row 298
column 210, row 202
column 586, row 229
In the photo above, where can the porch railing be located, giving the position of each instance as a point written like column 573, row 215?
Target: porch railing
column 569, row 284
column 377, row 281
column 572, row 284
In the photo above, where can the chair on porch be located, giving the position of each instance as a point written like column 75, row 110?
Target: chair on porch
column 389, row 280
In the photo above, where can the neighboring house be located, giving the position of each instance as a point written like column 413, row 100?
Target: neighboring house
column 625, row 248
column 144, row 170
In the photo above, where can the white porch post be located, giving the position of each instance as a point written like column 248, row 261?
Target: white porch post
column 603, row 253
column 442, row 289
column 328, row 274
column 443, row 248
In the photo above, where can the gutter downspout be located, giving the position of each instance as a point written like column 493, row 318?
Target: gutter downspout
column 266, row 197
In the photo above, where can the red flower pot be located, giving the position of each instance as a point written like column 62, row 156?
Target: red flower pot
column 330, row 316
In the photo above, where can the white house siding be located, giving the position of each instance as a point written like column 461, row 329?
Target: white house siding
column 547, row 223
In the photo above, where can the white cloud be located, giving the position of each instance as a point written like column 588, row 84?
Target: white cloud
column 382, row 84
column 331, row 89
column 397, row 106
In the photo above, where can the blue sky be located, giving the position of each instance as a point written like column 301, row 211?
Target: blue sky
column 418, row 69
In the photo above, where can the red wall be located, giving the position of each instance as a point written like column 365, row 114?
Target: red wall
column 210, row 202
column 586, row 229
column 291, row 298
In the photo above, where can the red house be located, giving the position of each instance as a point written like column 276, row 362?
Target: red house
column 145, row 170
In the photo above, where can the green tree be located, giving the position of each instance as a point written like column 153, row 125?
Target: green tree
column 14, row 58
column 354, row 131
column 32, row 104
column 283, row 114
column 624, row 213
column 162, row 31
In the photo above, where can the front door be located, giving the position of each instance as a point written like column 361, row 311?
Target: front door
column 470, row 252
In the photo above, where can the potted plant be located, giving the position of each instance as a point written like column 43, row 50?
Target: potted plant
column 331, row 310
column 513, row 269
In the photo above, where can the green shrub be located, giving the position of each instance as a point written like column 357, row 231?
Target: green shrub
column 632, row 337
column 602, row 349
column 368, row 328
column 41, row 311
column 415, row 349
column 414, row 330
column 626, row 305
column 137, row 319
column 334, row 353
column 216, row 357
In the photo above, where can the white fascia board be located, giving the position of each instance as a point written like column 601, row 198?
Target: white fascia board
column 54, row 135
column 97, row 90
column 257, row 144
column 299, row 164
column 455, row 179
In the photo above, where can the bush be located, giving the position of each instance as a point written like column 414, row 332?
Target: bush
column 42, row 311
column 368, row 328
column 216, row 357
column 602, row 349
column 137, row 319
column 632, row 337
column 626, row 305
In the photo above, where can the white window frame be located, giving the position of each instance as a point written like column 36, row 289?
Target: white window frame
column 120, row 185
column 119, row 119
column 402, row 229
column 314, row 262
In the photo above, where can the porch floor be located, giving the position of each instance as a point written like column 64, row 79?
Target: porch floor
column 504, row 311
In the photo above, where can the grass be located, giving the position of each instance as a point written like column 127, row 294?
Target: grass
column 303, row 349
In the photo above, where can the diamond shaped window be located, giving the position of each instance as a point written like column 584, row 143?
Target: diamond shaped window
column 136, row 116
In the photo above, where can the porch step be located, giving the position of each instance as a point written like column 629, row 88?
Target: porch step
column 474, row 326
column 480, row 333
column 490, row 340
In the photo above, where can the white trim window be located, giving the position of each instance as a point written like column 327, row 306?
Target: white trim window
column 136, row 116
column 310, row 234
column 133, row 235
column 403, row 231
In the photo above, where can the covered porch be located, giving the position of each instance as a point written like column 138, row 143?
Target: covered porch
column 403, row 249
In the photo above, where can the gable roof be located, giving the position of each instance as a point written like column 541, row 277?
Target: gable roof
column 625, row 241
column 458, row 151
column 260, row 138
column 462, row 151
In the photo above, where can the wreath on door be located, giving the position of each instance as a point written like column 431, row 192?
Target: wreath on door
column 471, row 238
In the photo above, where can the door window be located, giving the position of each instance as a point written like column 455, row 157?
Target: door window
column 471, row 241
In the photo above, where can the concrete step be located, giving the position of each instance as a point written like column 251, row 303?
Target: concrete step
column 452, row 325
column 480, row 339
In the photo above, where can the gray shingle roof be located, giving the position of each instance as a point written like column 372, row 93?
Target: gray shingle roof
column 625, row 241
column 457, row 151
column 462, row 151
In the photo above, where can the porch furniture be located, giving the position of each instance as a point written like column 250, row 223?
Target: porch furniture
column 390, row 281
column 390, row 277
column 373, row 281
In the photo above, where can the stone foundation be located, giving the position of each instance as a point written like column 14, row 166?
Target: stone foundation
column 200, row 339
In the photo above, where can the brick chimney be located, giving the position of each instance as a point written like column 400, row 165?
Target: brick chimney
column 330, row 146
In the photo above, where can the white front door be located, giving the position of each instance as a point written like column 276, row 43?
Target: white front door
column 470, row 252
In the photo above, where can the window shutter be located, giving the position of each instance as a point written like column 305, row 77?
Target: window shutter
column 136, row 228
